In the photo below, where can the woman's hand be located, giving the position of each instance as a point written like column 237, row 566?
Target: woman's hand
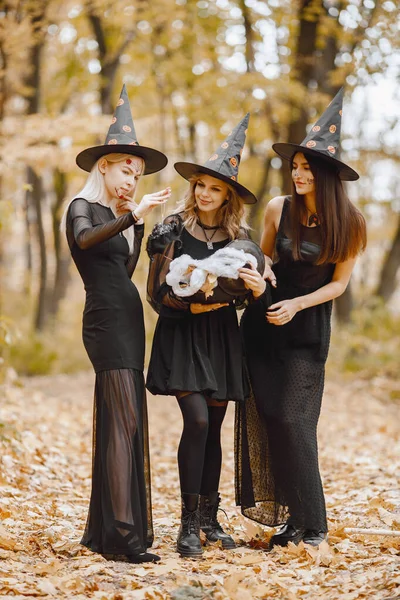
column 150, row 201
column 253, row 280
column 269, row 275
column 197, row 308
column 282, row 312
column 146, row 205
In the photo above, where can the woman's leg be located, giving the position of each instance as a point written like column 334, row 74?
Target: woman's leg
column 192, row 446
column 190, row 461
column 209, row 498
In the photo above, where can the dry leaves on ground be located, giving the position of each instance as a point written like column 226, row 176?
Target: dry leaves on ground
column 45, row 461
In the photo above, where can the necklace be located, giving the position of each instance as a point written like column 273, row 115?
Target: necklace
column 313, row 218
column 210, row 245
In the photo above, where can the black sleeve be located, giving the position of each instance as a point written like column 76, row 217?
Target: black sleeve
column 137, row 244
column 85, row 234
column 158, row 291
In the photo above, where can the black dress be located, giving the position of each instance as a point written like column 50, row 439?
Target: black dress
column 194, row 352
column 119, row 520
column 276, row 431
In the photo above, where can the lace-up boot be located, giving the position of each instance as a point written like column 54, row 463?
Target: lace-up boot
column 188, row 543
column 209, row 506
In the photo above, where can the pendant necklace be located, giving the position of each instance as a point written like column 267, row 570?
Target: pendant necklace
column 210, row 245
column 312, row 219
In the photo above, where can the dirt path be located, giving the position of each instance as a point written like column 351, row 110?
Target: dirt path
column 45, row 460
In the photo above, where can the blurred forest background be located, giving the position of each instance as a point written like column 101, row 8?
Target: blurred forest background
column 192, row 69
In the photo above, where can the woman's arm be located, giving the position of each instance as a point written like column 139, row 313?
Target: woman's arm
column 87, row 235
column 272, row 217
column 282, row 312
column 137, row 244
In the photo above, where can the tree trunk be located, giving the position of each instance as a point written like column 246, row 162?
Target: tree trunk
column 344, row 305
column 36, row 197
column 63, row 260
column 303, row 72
column 387, row 282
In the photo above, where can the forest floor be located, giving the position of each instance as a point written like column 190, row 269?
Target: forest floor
column 45, row 462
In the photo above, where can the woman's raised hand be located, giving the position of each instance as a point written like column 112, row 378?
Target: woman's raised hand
column 150, row 201
column 146, row 205
column 197, row 308
column 253, row 280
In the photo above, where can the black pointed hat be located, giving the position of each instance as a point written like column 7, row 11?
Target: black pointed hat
column 323, row 140
column 224, row 163
column 121, row 137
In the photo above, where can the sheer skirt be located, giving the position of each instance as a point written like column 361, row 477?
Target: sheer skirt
column 120, row 519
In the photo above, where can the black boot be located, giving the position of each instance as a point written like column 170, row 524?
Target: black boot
column 287, row 533
column 209, row 523
column 313, row 537
column 188, row 543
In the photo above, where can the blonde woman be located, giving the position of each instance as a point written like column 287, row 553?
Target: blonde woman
column 104, row 228
column 196, row 354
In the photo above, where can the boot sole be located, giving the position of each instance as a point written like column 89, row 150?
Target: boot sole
column 189, row 554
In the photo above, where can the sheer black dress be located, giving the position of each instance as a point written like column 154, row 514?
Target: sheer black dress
column 119, row 520
column 193, row 352
column 277, row 472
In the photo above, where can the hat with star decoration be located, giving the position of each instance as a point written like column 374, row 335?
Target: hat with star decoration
column 121, row 137
column 224, row 163
column 323, row 140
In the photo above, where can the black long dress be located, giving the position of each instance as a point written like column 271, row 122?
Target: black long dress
column 276, row 431
column 119, row 520
column 195, row 352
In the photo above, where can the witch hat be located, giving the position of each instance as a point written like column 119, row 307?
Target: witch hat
column 224, row 163
column 121, row 137
column 323, row 140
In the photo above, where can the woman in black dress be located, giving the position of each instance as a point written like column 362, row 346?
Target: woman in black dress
column 104, row 228
column 197, row 353
column 312, row 240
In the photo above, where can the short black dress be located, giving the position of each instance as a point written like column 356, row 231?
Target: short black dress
column 276, row 431
column 196, row 352
column 119, row 520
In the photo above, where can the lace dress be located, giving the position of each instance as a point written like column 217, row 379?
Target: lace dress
column 277, row 473
column 119, row 520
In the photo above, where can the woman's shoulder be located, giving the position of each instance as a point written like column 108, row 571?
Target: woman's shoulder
column 79, row 206
column 275, row 206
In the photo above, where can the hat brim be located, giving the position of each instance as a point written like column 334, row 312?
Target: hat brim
column 287, row 150
column 187, row 170
column 153, row 159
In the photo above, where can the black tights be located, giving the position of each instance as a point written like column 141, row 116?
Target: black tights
column 199, row 453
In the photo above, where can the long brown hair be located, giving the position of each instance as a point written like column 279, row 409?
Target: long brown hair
column 343, row 227
column 231, row 214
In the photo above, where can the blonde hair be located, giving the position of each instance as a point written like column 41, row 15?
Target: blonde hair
column 94, row 191
column 231, row 215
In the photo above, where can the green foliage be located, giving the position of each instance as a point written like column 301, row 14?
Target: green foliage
column 370, row 345
column 31, row 356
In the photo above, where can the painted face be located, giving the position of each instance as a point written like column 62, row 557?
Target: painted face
column 121, row 178
column 302, row 175
column 210, row 193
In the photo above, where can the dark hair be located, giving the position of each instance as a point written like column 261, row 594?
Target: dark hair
column 343, row 227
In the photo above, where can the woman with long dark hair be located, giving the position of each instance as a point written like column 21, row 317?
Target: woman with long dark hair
column 197, row 354
column 312, row 239
column 104, row 228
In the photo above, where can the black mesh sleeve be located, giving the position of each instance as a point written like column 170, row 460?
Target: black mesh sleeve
column 158, row 291
column 80, row 228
